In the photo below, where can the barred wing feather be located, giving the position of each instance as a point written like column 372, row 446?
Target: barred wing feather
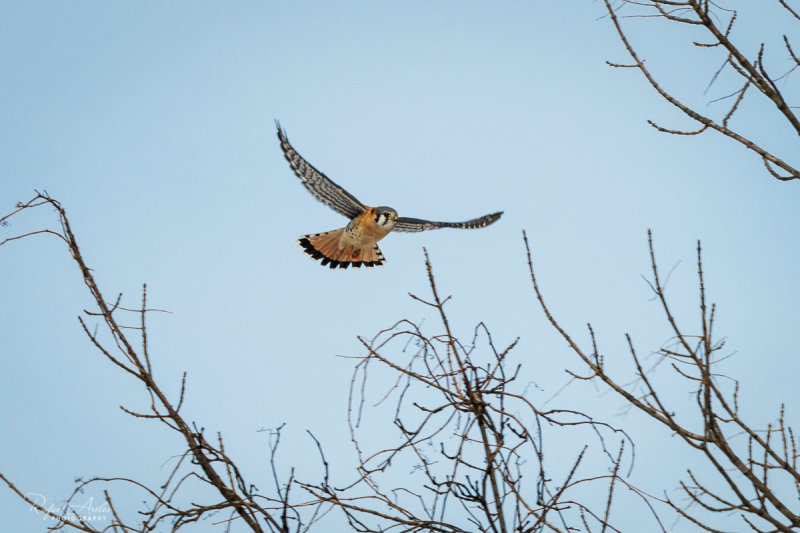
column 416, row 224
column 318, row 184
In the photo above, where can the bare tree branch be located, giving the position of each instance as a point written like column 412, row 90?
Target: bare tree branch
column 745, row 480
column 210, row 464
column 702, row 14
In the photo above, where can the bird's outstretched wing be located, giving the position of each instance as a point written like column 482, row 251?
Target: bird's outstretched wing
column 318, row 184
column 415, row 224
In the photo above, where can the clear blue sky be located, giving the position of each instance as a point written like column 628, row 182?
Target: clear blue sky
column 152, row 122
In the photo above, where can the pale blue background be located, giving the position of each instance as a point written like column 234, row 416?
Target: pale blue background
column 152, row 122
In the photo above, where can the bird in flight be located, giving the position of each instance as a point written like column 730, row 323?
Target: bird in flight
column 356, row 243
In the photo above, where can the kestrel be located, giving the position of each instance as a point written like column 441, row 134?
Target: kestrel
column 356, row 243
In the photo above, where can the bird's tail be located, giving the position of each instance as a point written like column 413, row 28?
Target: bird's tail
column 325, row 246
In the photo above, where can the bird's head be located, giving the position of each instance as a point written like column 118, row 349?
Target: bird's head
column 385, row 216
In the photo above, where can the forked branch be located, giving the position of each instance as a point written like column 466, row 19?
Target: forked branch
column 208, row 466
column 752, row 466
column 752, row 72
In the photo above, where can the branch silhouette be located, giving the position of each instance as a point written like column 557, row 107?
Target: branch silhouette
column 705, row 17
column 204, row 462
column 752, row 466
